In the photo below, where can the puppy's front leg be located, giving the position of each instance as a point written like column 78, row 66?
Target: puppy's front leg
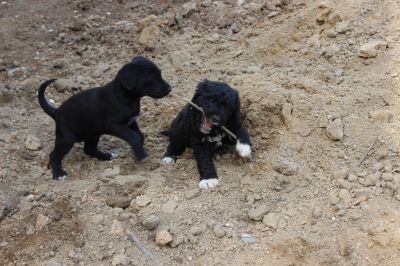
column 135, row 127
column 205, row 165
column 243, row 145
column 133, row 138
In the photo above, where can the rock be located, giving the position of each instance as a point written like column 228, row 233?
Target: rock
column 118, row 201
column 41, row 222
column 344, row 195
column 163, row 237
column 120, row 259
column 335, row 129
column 195, row 230
column 387, row 176
column 147, row 21
column 100, row 70
column 219, row 231
column 253, row 69
column 116, row 228
column 352, row 178
column 63, row 85
column 338, row 73
column 286, row 167
column 271, row 220
column 142, row 201
column 342, row 27
column 71, row 254
column 30, row 230
column 344, row 184
column 178, row 59
column 176, row 241
column 192, row 193
column 322, row 16
column 257, row 213
column 188, row 9
column 53, row 263
column 372, row 179
column 33, row 143
column 333, row 198
column 30, row 198
column 382, row 116
column 151, row 222
column 149, row 37
column 169, row 207
column 5, row 205
column 341, row 173
column 331, row 33
column 247, row 238
column 369, row 50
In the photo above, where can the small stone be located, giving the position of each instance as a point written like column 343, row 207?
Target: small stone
column 63, row 85
column 344, row 184
column 53, row 263
column 196, row 230
column 5, row 205
column 341, row 173
column 71, row 254
column 188, row 9
column 338, row 73
column 247, row 238
column 286, row 167
column 372, row 179
column 342, row 27
column 192, row 193
column 41, row 222
column 253, row 69
column 178, row 59
column 100, row 70
column 163, row 237
column 120, row 259
column 169, row 207
column 257, row 213
column 149, row 37
column 118, row 202
column 33, row 143
column 271, row 220
column 344, row 195
column 382, row 116
column 151, row 222
column 30, row 198
column 142, row 201
column 335, row 129
column 369, row 50
column 116, row 228
column 30, row 230
column 219, row 231
column 330, row 33
column 387, row 176
column 352, row 178
column 147, row 21
column 176, row 241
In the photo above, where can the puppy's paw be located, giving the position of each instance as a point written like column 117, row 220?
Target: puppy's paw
column 208, row 183
column 244, row 150
column 113, row 155
column 167, row 160
column 60, row 177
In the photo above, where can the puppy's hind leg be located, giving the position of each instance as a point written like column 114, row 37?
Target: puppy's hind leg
column 62, row 147
column 91, row 149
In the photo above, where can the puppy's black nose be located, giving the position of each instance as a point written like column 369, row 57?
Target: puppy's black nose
column 215, row 119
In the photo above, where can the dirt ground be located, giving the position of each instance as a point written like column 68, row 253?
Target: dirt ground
column 319, row 83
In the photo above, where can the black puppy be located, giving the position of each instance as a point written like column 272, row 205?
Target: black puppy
column 110, row 109
column 203, row 133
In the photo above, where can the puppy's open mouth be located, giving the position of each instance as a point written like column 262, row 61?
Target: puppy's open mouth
column 206, row 125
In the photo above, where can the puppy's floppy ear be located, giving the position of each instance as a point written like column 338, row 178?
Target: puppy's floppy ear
column 127, row 76
column 200, row 87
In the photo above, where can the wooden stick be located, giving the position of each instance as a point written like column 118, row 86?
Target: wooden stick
column 136, row 241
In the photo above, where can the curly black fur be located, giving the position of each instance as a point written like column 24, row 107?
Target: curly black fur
column 221, row 106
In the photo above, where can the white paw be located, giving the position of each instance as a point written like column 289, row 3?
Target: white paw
column 113, row 155
column 244, row 150
column 167, row 160
column 63, row 178
column 208, row 183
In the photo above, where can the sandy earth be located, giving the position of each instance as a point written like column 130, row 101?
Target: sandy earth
column 319, row 84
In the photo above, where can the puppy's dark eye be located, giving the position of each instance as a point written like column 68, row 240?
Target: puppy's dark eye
column 211, row 100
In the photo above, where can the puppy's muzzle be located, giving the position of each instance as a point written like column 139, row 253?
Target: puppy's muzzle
column 216, row 120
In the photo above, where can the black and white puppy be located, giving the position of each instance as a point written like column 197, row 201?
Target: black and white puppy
column 203, row 133
column 110, row 109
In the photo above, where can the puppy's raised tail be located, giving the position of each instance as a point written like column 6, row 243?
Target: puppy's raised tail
column 47, row 108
